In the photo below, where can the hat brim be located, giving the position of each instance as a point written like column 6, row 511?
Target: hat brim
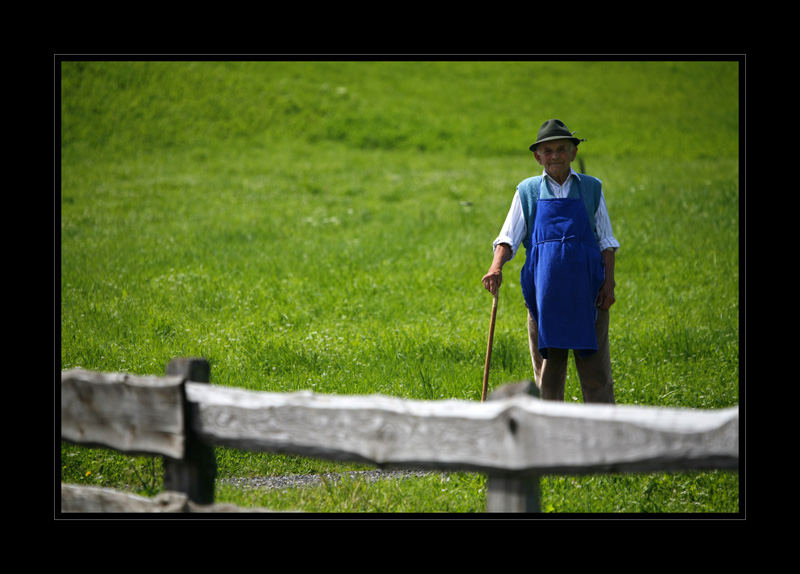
column 576, row 141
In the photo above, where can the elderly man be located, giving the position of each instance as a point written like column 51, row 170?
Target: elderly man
column 568, row 277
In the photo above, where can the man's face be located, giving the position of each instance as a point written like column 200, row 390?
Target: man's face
column 556, row 156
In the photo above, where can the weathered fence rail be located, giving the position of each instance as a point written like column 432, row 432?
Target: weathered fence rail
column 513, row 440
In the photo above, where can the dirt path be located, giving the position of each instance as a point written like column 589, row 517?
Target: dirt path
column 291, row 481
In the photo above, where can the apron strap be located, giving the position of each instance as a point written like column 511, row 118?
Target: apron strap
column 562, row 239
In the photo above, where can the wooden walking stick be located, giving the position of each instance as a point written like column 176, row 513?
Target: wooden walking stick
column 489, row 346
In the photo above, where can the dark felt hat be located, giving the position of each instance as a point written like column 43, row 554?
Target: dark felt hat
column 554, row 130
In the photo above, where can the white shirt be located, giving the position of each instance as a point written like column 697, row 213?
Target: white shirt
column 514, row 229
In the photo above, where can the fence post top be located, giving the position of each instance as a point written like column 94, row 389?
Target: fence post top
column 194, row 369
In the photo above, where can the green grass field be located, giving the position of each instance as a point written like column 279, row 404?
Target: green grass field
column 325, row 226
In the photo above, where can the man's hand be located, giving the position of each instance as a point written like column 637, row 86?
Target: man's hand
column 605, row 298
column 494, row 277
column 492, row 280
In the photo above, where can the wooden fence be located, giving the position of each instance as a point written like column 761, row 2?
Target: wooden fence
column 513, row 438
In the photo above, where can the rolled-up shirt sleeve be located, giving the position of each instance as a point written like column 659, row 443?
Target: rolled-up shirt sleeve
column 514, row 228
column 602, row 222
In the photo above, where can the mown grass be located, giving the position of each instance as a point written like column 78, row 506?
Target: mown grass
column 324, row 226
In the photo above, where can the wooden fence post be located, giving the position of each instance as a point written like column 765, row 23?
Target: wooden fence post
column 194, row 475
column 513, row 492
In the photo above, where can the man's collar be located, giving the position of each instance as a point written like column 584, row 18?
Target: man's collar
column 572, row 172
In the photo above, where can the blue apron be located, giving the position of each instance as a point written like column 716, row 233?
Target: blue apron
column 562, row 275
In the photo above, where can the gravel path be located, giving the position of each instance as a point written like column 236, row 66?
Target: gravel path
column 316, row 479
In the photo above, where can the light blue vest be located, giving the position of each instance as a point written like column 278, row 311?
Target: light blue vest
column 590, row 188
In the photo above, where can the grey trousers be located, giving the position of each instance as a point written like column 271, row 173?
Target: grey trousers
column 594, row 371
